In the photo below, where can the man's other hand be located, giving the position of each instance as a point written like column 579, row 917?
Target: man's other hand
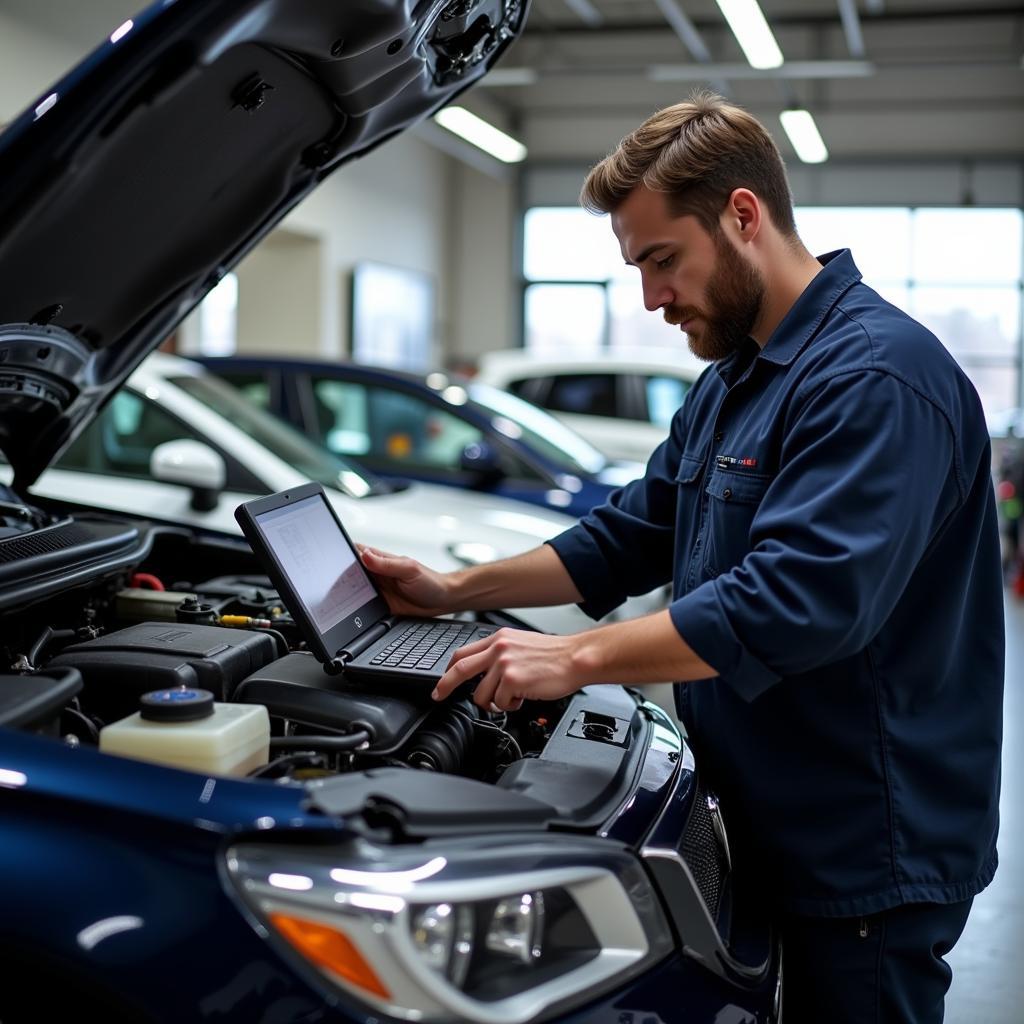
column 409, row 587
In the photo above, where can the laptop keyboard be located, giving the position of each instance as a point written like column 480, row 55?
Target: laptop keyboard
column 422, row 645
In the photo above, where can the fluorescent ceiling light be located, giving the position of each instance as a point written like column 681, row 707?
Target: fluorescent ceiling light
column 46, row 105
column 752, row 32
column 479, row 133
column 120, row 33
column 804, row 135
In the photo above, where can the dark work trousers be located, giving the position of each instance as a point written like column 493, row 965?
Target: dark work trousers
column 886, row 968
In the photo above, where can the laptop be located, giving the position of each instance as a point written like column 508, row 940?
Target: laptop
column 340, row 613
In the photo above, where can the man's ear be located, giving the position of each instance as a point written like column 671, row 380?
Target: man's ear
column 743, row 215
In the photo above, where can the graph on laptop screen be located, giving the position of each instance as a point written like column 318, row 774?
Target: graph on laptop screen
column 320, row 565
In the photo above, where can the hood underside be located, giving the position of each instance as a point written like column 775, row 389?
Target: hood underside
column 148, row 172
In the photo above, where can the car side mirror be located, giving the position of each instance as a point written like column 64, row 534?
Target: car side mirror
column 481, row 459
column 190, row 464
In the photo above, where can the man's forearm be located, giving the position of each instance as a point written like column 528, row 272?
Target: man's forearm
column 644, row 650
column 514, row 665
column 533, row 579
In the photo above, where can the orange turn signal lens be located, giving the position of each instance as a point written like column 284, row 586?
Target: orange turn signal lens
column 327, row 947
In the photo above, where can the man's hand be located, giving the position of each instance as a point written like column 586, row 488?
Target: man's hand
column 515, row 665
column 532, row 579
column 409, row 587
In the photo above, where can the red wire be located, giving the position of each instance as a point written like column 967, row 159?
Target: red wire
column 147, row 581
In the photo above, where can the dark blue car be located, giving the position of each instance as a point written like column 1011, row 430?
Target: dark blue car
column 437, row 428
column 357, row 854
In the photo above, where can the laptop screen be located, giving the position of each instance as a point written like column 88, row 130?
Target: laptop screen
column 313, row 563
column 315, row 556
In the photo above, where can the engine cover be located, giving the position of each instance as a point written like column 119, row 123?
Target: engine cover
column 297, row 688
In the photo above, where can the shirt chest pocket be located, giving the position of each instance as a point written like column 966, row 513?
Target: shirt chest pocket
column 688, row 478
column 733, row 500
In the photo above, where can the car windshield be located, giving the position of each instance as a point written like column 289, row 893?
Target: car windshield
column 539, row 429
column 279, row 438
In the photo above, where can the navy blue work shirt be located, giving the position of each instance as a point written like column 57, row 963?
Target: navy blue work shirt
column 825, row 511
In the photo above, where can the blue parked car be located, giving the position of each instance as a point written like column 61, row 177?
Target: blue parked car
column 436, row 428
column 282, row 844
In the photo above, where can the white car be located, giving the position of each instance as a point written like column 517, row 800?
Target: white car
column 622, row 401
column 178, row 445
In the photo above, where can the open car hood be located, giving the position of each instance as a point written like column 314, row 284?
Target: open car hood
column 150, row 170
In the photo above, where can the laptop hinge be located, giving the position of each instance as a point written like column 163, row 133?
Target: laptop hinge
column 359, row 644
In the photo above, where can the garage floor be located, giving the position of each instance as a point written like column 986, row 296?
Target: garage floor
column 988, row 983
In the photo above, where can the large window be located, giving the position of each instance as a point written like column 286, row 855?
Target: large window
column 959, row 271
column 580, row 295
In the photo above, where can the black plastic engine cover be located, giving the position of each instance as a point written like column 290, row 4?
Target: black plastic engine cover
column 34, row 702
column 297, row 688
column 422, row 805
column 119, row 667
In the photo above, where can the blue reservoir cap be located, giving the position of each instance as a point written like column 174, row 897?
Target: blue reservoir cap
column 180, row 704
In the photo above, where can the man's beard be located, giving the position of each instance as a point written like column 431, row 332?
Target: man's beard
column 733, row 302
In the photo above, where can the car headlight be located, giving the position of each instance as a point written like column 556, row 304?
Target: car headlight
column 491, row 931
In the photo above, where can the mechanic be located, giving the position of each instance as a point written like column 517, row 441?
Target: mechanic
column 824, row 509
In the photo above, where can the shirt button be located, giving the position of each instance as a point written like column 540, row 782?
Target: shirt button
column 727, row 493
column 718, row 437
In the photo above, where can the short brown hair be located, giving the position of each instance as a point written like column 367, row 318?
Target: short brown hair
column 697, row 152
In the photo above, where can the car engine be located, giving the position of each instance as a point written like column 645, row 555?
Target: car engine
column 101, row 610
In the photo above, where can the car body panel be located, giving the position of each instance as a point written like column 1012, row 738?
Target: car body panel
column 143, row 876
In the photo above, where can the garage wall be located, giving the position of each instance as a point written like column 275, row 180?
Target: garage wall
column 279, row 295
column 406, row 205
column 393, row 206
column 409, row 205
column 485, row 314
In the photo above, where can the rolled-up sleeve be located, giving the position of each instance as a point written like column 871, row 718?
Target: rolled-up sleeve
column 868, row 478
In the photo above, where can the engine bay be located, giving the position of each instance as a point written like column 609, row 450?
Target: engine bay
column 99, row 611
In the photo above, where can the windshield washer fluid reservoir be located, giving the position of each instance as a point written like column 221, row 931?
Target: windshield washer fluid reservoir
column 186, row 728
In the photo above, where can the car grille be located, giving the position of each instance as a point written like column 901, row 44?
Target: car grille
column 703, row 854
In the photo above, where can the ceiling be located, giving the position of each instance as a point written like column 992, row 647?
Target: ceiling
column 891, row 80
column 900, row 79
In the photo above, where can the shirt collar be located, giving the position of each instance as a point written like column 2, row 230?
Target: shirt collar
column 838, row 273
